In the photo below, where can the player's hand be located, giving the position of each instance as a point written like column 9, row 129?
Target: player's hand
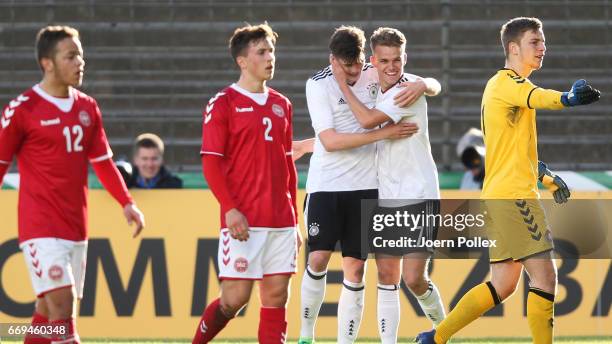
column 302, row 147
column 134, row 215
column 300, row 240
column 237, row 224
column 400, row 130
column 412, row 90
column 581, row 93
column 337, row 71
column 553, row 183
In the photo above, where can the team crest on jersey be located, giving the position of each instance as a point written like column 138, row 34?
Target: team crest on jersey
column 56, row 272
column 241, row 265
column 84, row 118
column 373, row 90
column 313, row 230
column 278, row 110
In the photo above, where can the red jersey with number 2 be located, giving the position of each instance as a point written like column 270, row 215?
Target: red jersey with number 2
column 52, row 147
column 253, row 133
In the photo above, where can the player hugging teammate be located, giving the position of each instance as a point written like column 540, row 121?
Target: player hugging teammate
column 343, row 173
column 407, row 178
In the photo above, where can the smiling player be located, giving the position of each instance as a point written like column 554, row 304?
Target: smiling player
column 407, row 178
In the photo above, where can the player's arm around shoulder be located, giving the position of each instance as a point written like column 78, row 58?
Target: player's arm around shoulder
column 413, row 87
column 367, row 118
column 396, row 112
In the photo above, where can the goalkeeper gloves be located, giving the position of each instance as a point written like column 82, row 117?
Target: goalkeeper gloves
column 580, row 94
column 553, row 183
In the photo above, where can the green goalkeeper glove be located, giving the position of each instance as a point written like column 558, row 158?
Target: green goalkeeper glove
column 553, row 183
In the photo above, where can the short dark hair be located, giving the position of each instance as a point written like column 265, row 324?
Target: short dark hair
column 347, row 43
column 388, row 37
column 47, row 39
column 243, row 36
column 513, row 30
column 149, row 140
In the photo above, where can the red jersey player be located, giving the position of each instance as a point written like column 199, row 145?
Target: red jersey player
column 246, row 157
column 54, row 130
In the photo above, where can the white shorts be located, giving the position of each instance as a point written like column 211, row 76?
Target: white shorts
column 266, row 252
column 55, row 263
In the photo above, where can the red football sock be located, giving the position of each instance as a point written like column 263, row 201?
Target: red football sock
column 272, row 325
column 211, row 323
column 37, row 319
column 68, row 327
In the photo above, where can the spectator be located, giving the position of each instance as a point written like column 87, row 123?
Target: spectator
column 471, row 151
column 149, row 171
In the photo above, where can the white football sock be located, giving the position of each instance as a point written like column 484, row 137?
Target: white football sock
column 313, row 292
column 350, row 310
column 388, row 313
column 431, row 304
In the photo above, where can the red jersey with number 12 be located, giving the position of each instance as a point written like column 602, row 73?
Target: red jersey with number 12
column 52, row 146
column 253, row 132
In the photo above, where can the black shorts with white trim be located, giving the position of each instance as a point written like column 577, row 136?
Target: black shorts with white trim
column 333, row 217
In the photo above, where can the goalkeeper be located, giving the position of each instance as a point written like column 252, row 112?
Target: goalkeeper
column 517, row 222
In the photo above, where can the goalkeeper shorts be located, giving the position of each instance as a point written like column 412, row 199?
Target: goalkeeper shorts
column 519, row 228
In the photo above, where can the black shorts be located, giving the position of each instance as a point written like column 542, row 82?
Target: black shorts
column 399, row 239
column 335, row 216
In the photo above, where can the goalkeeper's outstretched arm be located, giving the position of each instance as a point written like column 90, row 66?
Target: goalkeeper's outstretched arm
column 581, row 93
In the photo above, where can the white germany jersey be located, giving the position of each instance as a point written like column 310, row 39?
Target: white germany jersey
column 346, row 170
column 406, row 168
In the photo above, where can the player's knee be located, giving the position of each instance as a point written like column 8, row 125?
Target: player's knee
column 275, row 298
column 388, row 275
column 354, row 271
column 59, row 307
column 546, row 281
column 41, row 307
column 415, row 281
column 505, row 290
column 318, row 260
column 232, row 306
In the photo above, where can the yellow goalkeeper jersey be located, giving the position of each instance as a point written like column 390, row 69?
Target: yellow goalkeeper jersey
column 509, row 126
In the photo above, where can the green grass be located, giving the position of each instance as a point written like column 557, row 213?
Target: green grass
column 566, row 340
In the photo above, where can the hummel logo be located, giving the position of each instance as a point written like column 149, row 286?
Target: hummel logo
column 49, row 122
column 248, row 109
column 341, row 101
